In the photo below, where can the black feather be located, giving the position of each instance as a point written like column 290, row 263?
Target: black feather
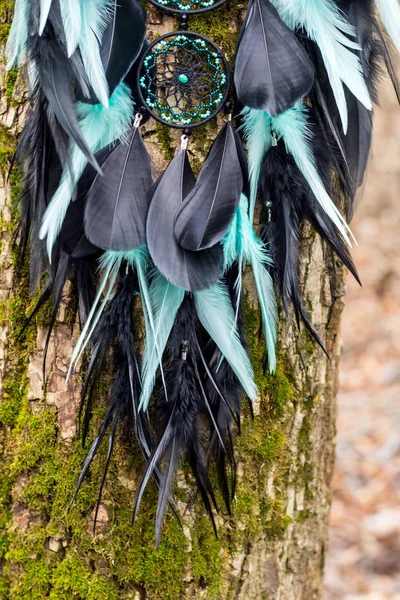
column 115, row 330
column 117, row 202
column 287, row 201
column 207, row 211
column 57, row 81
column 122, row 42
column 179, row 419
column 272, row 69
column 185, row 269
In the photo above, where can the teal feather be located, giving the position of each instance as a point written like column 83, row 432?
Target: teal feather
column 389, row 11
column 257, row 132
column 16, row 44
column 165, row 302
column 328, row 27
column 45, row 6
column 71, row 17
column 293, row 128
column 95, row 15
column 242, row 244
column 100, row 126
column 215, row 312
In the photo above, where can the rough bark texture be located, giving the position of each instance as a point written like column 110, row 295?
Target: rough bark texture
column 273, row 545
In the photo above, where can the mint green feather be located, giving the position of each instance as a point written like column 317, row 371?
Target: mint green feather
column 95, row 15
column 100, row 126
column 166, row 300
column 71, row 18
column 389, row 11
column 45, row 6
column 326, row 25
column 292, row 127
column 215, row 312
column 242, row 244
column 257, row 132
column 16, row 43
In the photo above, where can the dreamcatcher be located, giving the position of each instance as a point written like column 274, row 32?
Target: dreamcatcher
column 303, row 83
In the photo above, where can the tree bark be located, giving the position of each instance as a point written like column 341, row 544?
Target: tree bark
column 273, row 545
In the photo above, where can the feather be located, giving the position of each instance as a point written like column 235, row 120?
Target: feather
column 116, row 328
column 95, row 15
column 179, row 412
column 207, row 211
column 100, row 127
column 122, row 40
column 282, row 189
column 292, row 201
column 165, row 300
column 72, row 236
column 326, row 26
column 17, row 40
column 71, row 18
column 215, row 313
column 389, row 11
column 292, row 127
column 45, row 6
column 272, row 70
column 110, row 265
column 184, row 268
column 56, row 81
column 117, row 203
column 243, row 245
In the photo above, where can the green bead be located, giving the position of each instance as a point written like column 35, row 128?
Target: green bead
column 183, row 78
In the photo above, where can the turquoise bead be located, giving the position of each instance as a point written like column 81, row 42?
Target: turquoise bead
column 183, row 78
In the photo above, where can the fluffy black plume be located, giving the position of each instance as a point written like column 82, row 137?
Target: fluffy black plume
column 115, row 332
column 287, row 201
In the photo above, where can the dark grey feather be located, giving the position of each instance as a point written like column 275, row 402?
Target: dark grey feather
column 272, row 69
column 117, row 202
column 208, row 210
column 185, row 269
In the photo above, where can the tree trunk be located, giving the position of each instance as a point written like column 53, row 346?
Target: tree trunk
column 273, row 545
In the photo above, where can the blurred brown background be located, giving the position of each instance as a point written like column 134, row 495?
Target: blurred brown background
column 364, row 555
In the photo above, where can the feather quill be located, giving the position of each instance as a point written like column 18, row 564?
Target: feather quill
column 100, row 126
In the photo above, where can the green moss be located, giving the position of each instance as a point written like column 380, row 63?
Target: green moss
column 165, row 140
column 7, row 148
column 11, row 78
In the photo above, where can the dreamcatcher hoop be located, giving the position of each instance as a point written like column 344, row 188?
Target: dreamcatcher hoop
column 183, row 80
column 207, row 5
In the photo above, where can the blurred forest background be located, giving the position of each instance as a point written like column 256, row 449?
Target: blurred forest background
column 364, row 552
